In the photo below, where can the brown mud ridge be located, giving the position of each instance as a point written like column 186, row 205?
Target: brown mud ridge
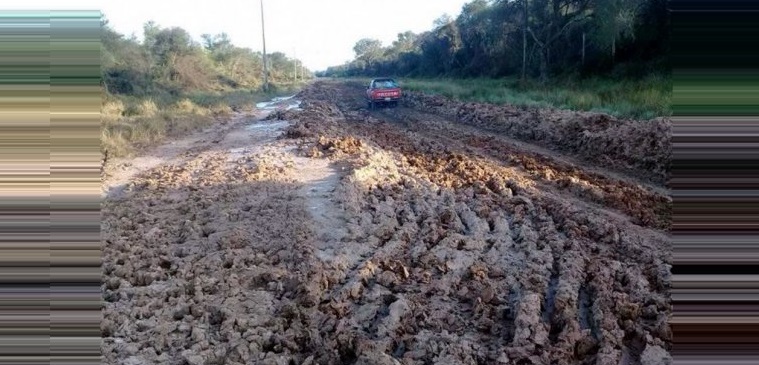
column 390, row 237
column 641, row 147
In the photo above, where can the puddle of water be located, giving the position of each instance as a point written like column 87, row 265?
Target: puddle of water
column 278, row 106
column 273, row 104
column 268, row 126
column 283, row 98
column 294, row 106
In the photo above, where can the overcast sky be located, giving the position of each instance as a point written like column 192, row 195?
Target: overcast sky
column 321, row 32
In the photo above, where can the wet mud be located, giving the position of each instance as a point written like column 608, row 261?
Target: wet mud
column 400, row 236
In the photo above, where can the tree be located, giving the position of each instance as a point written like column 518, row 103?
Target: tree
column 440, row 48
column 219, row 42
column 124, row 63
column 477, row 38
column 405, row 42
column 615, row 19
column 149, row 32
column 441, row 21
column 553, row 18
column 171, row 41
column 368, row 51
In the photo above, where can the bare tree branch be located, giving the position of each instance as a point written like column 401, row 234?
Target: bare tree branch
column 564, row 28
column 529, row 30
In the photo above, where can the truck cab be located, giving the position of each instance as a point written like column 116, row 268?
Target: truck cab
column 383, row 91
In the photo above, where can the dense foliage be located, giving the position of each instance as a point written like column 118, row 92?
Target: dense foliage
column 169, row 61
column 529, row 38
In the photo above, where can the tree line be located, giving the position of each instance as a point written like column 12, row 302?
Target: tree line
column 169, row 61
column 536, row 39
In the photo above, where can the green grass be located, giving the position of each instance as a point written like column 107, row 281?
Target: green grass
column 638, row 99
column 130, row 123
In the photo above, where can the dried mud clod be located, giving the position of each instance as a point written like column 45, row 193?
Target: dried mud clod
column 347, row 145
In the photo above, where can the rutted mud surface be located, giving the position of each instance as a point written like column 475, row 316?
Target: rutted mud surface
column 634, row 146
column 391, row 237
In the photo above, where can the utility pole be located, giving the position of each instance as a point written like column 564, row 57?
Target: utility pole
column 263, row 33
column 295, row 67
column 300, row 67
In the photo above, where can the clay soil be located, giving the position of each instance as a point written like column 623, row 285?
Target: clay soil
column 436, row 232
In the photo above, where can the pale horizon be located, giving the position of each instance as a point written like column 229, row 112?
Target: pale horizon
column 320, row 33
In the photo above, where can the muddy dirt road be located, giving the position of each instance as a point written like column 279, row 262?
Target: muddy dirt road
column 422, row 234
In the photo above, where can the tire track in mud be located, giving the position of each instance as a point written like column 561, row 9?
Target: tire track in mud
column 496, row 268
column 647, row 204
column 634, row 147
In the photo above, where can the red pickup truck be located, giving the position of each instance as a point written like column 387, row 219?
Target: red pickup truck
column 383, row 91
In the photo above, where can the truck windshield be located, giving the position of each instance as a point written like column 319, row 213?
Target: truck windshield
column 385, row 84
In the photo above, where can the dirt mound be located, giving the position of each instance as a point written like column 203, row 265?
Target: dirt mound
column 640, row 146
column 317, row 94
column 348, row 145
column 316, row 118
